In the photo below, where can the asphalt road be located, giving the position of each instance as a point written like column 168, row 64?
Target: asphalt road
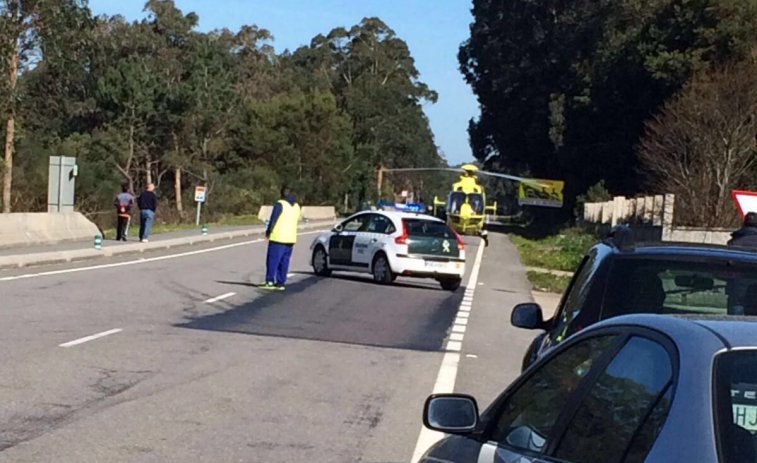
column 332, row 370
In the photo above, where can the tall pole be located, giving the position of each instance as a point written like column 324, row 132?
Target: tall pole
column 380, row 180
column 199, row 208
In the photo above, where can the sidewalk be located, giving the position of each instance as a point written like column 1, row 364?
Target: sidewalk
column 79, row 251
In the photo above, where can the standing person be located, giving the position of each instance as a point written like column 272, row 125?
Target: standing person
column 747, row 234
column 282, row 236
column 123, row 203
column 148, row 204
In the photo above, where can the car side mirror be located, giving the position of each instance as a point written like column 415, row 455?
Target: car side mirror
column 528, row 316
column 451, row 413
column 339, row 228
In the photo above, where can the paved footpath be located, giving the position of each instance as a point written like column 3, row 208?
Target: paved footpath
column 175, row 355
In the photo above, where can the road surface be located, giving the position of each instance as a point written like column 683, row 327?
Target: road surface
column 178, row 357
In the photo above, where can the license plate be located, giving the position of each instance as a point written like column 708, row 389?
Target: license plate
column 432, row 264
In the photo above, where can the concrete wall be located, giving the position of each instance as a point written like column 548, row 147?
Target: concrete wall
column 29, row 229
column 308, row 212
column 651, row 219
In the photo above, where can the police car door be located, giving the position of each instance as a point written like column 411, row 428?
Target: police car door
column 342, row 243
column 371, row 239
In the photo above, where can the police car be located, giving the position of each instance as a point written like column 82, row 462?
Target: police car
column 389, row 244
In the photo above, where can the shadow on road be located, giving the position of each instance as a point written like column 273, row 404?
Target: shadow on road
column 343, row 309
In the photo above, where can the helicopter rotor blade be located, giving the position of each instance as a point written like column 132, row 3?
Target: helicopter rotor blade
column 458, row 170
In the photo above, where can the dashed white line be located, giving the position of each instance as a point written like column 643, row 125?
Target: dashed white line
column 220, row 298
column 445, row 380
column 462, row 314
column 456, row 336
column 76, row 342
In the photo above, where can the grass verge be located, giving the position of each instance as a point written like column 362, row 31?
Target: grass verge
column 562, row 251
column 548, row 283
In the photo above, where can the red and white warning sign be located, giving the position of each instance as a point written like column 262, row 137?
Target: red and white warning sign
column 746, row 201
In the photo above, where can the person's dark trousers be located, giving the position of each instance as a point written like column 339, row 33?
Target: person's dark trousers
column 145, row 223
column 277, row 262
column 121, row 229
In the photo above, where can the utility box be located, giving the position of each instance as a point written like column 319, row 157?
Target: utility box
column 61, row 184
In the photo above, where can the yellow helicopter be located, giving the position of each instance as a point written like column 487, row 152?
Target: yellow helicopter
column 465, row 208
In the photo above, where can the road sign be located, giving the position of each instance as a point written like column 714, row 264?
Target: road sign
column 200, row 194
column 538, row 192
column 746, row 201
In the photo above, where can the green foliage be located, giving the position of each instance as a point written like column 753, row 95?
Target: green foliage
column 562, row 251
column 565, row 87
column 158, row 101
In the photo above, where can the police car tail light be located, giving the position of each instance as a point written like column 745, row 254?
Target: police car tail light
column 402, row 239
column 460, row 242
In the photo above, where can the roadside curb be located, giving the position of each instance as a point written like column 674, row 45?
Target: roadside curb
column 63, row 257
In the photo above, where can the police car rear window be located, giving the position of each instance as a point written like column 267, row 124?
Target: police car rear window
column 736, row 392
column 428, row 228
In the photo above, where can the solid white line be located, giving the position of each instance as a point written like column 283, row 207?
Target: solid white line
column 220, row 298
column 76, row 342
column 139, row 261
column 445, row 380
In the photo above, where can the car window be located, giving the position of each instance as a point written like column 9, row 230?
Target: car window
column 528, row 415
column 428, row 228
column 618, row 404
column 736, row 411
column 568, row 320
column 380, row 224
column 356, row 223
column 680, row 287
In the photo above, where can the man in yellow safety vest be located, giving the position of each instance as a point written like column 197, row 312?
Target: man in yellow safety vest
column 282, row 236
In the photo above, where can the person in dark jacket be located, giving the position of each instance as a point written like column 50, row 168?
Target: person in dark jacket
column 746, row 236
column 282, row 236
column 123, row 204
column 148, row 204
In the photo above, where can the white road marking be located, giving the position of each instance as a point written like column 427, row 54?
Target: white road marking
column 471, row 356
column 139, row 261
column 445, row 380
column 290, row 275
column 220, row 298
column 76, row 342
column 456, row 336
column 462, row 314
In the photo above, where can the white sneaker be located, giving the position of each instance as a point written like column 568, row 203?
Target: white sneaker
column 145, row 240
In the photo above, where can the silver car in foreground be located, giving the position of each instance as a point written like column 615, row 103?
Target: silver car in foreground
column 639, row 388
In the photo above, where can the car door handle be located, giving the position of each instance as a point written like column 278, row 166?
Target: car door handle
column 374, row 241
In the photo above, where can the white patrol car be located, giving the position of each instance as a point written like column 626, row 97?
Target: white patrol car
column 389, row 244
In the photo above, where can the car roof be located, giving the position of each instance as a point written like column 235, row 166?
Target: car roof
column 398, row 215
column 662, row 249
column 731, row 331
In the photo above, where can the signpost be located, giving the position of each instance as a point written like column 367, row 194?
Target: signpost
column 199, row 198
column 746, row 201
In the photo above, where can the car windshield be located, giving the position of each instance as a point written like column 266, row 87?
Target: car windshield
column 678, row 287
column 428, row 228
column 477, row 202
column 455, row 201
column 736, row 392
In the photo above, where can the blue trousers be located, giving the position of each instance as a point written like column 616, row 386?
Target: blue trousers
column 277, row 262
column 145, row 223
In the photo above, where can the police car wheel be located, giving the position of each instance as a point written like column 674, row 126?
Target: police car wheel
column 382, row 272
column 320, row 262
column 451, row 285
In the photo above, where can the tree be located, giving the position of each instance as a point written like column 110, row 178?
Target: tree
column 565, row 88
column 29, row 29
column 703, row 144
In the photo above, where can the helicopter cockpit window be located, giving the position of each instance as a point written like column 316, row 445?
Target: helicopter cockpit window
column 454, row 201
column 477, row 202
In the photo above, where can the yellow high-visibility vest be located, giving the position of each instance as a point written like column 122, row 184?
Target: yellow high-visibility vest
column 285, row 230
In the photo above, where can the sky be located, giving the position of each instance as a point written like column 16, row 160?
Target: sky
column 433, row 29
